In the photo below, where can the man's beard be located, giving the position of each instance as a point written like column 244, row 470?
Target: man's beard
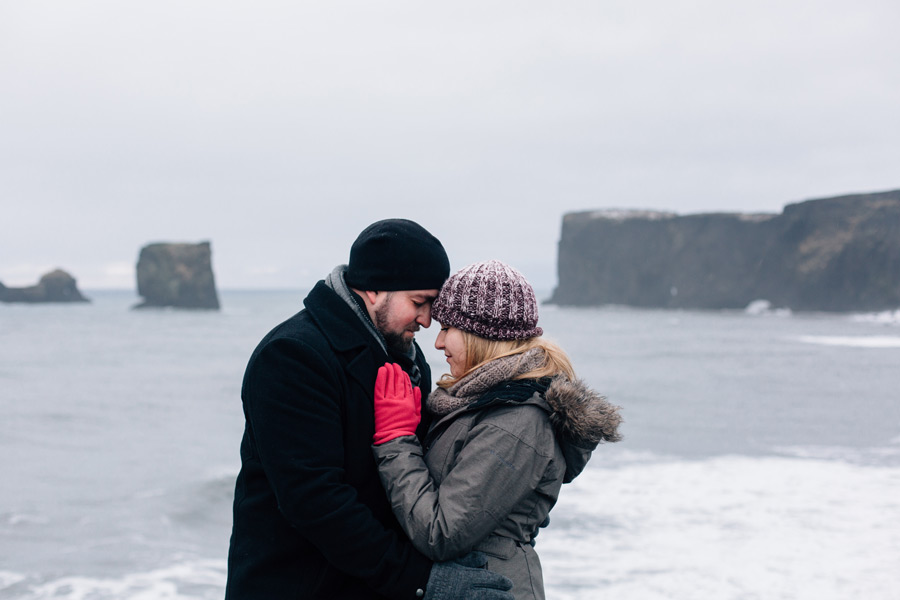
column 396, row 344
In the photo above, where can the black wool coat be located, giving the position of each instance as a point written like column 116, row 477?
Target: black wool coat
column 311, row 519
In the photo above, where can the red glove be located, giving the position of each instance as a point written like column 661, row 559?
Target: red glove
column 398, row 405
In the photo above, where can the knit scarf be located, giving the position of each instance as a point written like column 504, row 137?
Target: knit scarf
column 335, row 281
column 468, row 389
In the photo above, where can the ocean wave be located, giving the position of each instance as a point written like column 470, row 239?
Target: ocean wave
column 888, row 317
column 763, row 308
column 651, row 528
column 729, row 527
column 204, row 504
column 188, row 580
column 859, row 341
column 8, row 579
column 874, row 455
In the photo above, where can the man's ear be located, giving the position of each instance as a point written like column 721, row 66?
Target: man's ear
column 371, row 296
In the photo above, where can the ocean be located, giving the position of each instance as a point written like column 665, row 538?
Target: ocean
column 761, row 457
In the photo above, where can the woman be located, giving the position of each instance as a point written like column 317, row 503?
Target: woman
column 511, row 425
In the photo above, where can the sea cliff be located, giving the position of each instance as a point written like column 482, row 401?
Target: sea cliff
column 55, row 286
column 177, row 275
column 831, row 254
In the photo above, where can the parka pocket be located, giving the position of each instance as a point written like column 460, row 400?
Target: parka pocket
column 497, row 546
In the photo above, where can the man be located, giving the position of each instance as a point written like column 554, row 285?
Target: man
column 311, row 519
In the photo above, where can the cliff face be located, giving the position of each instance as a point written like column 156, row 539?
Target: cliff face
column 178, row 275
column 834, row 254
column 55, row 286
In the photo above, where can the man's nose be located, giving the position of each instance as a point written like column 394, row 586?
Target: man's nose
column 424, row 318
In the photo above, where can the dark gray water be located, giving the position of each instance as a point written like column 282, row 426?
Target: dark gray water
column 761, row 460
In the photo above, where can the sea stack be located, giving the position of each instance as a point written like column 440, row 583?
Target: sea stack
column 177, row 275
column 833, row 254
column 55, row 286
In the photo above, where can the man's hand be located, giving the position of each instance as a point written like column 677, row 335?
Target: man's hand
column 467, row 578
column 398, row 405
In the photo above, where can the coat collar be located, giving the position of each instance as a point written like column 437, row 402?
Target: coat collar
column 337, row 321
column 346, row 334
column 443, row 421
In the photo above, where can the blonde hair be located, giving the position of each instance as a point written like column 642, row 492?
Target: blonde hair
column 480, row 351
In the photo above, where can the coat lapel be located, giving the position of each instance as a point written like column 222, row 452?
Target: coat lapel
column 346, row 334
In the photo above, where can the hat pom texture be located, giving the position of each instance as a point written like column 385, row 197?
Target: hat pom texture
column 490, row 299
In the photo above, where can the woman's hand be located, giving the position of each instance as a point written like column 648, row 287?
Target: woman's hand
column 398, row 405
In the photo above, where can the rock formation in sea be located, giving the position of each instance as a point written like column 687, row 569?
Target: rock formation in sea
column 178, row 275
column 55, row 286
column 831, row 254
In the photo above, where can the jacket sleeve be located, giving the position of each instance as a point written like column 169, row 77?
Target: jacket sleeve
column 292, row 399
column 493, row 472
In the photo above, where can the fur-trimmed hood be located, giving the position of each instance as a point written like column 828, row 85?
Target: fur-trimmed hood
column 581, row 418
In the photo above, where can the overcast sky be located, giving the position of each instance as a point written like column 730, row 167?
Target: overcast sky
column 279, row 130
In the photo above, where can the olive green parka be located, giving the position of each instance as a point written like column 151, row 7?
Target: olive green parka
column 490, row 473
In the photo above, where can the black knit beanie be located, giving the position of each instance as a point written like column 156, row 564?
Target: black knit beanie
column 397, row 254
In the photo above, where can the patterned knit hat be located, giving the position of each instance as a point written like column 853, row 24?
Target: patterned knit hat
column 491, row 300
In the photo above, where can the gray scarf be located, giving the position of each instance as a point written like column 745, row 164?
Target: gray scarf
column 335, row 281
column 469, row 388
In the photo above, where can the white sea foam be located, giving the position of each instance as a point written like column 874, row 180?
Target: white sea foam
column 728, row 528
column 188, row 580
column 872, row 455
column 888, row 317
column 764, row 308
column 861, row 341
column 8, row 579
column 655, row 528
